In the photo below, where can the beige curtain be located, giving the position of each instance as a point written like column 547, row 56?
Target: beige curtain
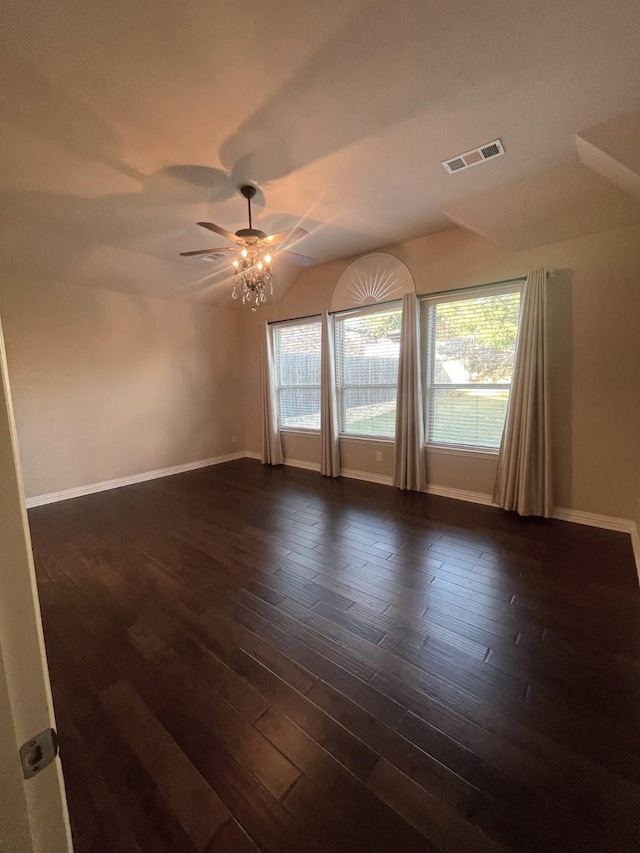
column 330, row 436
column 410, row 468
column 271, row 441
column 523, row 482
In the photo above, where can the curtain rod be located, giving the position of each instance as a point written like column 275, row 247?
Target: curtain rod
column 550, row 274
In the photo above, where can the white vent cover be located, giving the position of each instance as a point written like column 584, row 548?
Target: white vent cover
column 473, row 157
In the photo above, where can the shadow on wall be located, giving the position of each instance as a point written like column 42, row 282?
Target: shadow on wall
column 317, row 111
column 157, row 219
column 321, row 109
column 44, row 253
column 121, row 243
column 30, row 101
column 560, row 328
column 131, row 217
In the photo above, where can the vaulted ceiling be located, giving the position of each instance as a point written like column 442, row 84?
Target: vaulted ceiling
column 122, row 124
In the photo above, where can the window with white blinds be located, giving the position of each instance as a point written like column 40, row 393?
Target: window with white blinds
column 296, row 349
column 367, row 351
column 469, row 354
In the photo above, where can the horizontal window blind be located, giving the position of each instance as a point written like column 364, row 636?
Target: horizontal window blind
column 470, row 352
column 367, row 351
column 297, row 362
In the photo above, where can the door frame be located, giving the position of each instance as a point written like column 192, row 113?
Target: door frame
column 33, row 812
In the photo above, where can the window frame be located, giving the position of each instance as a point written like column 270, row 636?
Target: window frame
column 427, row 354
column 338, row 316
column 275, row 326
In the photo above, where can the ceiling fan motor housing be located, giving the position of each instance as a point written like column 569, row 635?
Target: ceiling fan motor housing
column 251, row 234
column 255, row 242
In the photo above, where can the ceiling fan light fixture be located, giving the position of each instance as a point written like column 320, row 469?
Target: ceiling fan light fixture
column 252, row 270
column 252, row 278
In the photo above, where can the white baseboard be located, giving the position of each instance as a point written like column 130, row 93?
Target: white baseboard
column 251, row 454
column 607, row 522
column 105, row 485
column 300, row 463
column 461, row 495
column 381, row 479
column 350, row 473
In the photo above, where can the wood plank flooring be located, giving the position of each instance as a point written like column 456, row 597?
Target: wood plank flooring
column 246, row 658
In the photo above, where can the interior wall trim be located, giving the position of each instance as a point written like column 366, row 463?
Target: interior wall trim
column 461, row 495
column 105, row 485
column 381, row 479
column 607, row 522
column 301, row 463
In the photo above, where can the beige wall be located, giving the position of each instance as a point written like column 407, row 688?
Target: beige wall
column 595, row 310
column 107, row 385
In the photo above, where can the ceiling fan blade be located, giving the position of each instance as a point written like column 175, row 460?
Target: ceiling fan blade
column 222, row 231
column 208, row 251
column 303, row 260
column 281, row 236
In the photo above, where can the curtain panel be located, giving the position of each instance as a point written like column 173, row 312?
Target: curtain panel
column 329, row 431
column 410, row 466
column 524, row 479
column 271, row 440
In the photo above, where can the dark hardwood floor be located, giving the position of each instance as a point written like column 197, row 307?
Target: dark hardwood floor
column 246, row 658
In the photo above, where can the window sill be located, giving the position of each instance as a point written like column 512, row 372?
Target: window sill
column 449, row 450
column 298, row 431
column 367, row 439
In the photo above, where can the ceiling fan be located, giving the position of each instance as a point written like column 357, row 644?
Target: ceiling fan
column 252, row 239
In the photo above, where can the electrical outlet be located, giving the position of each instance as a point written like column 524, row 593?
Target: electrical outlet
column 233, row 439
column 379, row 456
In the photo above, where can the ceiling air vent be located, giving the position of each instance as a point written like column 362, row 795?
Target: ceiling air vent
column 455, row 164
column 473, row 157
